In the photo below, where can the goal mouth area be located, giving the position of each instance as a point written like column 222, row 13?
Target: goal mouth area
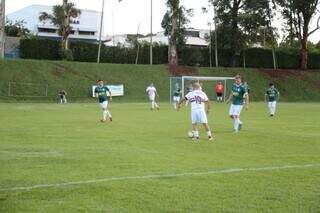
column 27, row 90
column 209, row 82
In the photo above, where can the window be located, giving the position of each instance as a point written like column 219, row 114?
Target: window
column 89, row 33
column 46, row 30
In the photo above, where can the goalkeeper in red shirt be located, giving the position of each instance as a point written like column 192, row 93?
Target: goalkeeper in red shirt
column 219, row 91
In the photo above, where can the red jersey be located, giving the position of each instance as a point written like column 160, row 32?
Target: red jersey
column 219, row 88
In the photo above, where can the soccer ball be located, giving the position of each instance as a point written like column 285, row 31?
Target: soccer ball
column 190, row 134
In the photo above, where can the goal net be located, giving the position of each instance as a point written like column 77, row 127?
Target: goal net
column 208, row 85
column 18, row 89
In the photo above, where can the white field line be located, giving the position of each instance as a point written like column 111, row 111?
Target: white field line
column 225, row 171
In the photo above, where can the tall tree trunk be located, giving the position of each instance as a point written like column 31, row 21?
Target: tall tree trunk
column 304, row 53
column 65, row 33
column 234, row 34
column 173, row 59
column 304, row 44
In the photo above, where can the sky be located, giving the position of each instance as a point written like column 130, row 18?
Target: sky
column 124, row 17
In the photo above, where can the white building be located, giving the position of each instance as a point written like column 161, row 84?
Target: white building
column 85, row 28
column 194, row 37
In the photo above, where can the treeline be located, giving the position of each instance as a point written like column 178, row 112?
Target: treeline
column 285, row 58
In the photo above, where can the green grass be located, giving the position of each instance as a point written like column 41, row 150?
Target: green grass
column 50, row 143
column 77, row 78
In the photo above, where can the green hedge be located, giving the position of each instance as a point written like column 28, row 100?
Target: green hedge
column 39, row 49
column 191, row 56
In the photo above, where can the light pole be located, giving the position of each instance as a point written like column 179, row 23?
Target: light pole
column 100, row 33
column 2, row 26
column 215, row 35
column 151, row 42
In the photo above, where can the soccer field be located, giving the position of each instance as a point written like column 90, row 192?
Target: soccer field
column 60, row 158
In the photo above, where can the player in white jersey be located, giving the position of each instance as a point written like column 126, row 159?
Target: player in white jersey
column 152, row 94
column 200, row 107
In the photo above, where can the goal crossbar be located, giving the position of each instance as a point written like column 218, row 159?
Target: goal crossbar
column 205, row 78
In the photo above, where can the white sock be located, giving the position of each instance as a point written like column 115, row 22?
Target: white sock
column 109, row 114
column 104, row 115
column 156, row 105
column 152, row 104
column 236, row 124
column 209, row 134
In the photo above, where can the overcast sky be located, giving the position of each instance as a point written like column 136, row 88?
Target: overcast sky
column 124, row 17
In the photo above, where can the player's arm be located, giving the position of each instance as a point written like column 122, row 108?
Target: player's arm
column 278, row 95
column 208, row 106
column 182, row 101
column 229, row 98
column 265, row 97
column 96, row 94
column 246, row 97
column 110, row 95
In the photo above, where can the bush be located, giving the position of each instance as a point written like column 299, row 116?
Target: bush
column 40, row 49
column 188, row 55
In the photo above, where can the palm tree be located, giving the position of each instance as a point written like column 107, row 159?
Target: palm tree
column 61, row 17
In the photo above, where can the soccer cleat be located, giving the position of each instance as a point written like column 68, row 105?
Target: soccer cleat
column 196, row 139
column 110, row 119
column 235, row 131
column 102, row 121
column 210, row 138
column 271, row 115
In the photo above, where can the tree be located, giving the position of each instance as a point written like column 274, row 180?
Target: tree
column 239, row 21
column 301, row 13
column 61, row 17
column 16, row 29
column 174, row 23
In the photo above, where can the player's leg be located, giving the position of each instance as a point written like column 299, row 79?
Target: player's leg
column 238, row 112
column 204, row 121
column 156, row 105
column 273, row 107
column 152, row 102
column 233, row 117
column 195, row 120
column 270, row 108
column 104, row 107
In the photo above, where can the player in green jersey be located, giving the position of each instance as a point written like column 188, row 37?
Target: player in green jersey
column 239, row 96
column 272, row 95
column 101, row 92
column 176, row 96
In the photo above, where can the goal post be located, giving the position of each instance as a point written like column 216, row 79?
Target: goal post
column 30, row 90
column 208, row 85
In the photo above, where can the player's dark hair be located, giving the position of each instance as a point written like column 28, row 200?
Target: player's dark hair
column 99, row 80
column 238, row 76
column 271, row 84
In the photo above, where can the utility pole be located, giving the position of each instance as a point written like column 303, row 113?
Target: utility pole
column 100, row 33
column 2, row 27
column 215, row 36
column 151, row 42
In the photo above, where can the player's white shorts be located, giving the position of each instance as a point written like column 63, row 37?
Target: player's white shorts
column 176, row 98
column 152, row 97
column 235, row 109
column 272, row 104
column 104, row 105
column 199, row 116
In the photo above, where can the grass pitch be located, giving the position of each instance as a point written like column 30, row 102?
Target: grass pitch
column 65, row 160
